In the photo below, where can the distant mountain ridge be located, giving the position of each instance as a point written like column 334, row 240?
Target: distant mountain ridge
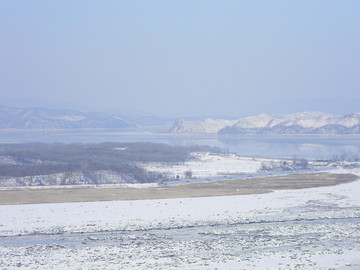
column 296, row 123
column 41, row 118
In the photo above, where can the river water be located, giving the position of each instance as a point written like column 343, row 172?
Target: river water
column 286, row 146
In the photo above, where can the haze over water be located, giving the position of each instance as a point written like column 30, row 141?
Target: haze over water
column 310, row 147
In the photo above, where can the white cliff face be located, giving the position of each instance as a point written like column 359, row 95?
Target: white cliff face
column 305, row 120
column 206, row 126
column 317, row 120
column 297, row 123
column 259, row 121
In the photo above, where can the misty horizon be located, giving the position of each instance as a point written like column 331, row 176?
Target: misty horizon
column 351, row 107
column 181, row 59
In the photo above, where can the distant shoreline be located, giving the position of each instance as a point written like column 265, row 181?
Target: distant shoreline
column 256, row 185
column 140, row 130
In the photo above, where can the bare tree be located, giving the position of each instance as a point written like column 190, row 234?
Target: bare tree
column 188, row 174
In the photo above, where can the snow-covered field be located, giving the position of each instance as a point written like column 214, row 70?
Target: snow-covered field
column 317, row 228
column 206, row 164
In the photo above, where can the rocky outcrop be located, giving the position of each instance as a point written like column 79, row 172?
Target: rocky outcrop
column 297, row 123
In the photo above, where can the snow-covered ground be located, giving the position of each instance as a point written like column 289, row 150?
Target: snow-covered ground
column 317, row 228
column 204, row 164
column 134, row 185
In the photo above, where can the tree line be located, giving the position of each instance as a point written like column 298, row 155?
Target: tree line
column 43, row 159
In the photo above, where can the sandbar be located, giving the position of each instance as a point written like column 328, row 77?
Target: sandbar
column 256, row 185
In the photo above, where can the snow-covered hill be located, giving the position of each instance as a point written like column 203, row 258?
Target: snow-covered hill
column 201, row 126
column 40, row 118
column 297, row 123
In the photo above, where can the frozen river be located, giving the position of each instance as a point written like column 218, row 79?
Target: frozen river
column 287, row 146
column 283, row 244
column 317, row 228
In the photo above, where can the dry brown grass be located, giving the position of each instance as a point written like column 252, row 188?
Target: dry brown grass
column 205, row 189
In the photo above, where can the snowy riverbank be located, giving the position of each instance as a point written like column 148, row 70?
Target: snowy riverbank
column 317, row 228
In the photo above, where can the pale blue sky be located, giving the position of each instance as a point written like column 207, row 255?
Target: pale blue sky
column 182, row 58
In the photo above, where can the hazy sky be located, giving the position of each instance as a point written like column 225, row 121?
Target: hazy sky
column 182, row 58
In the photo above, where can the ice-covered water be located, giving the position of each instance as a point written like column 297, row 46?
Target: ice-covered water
column 313, row 147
